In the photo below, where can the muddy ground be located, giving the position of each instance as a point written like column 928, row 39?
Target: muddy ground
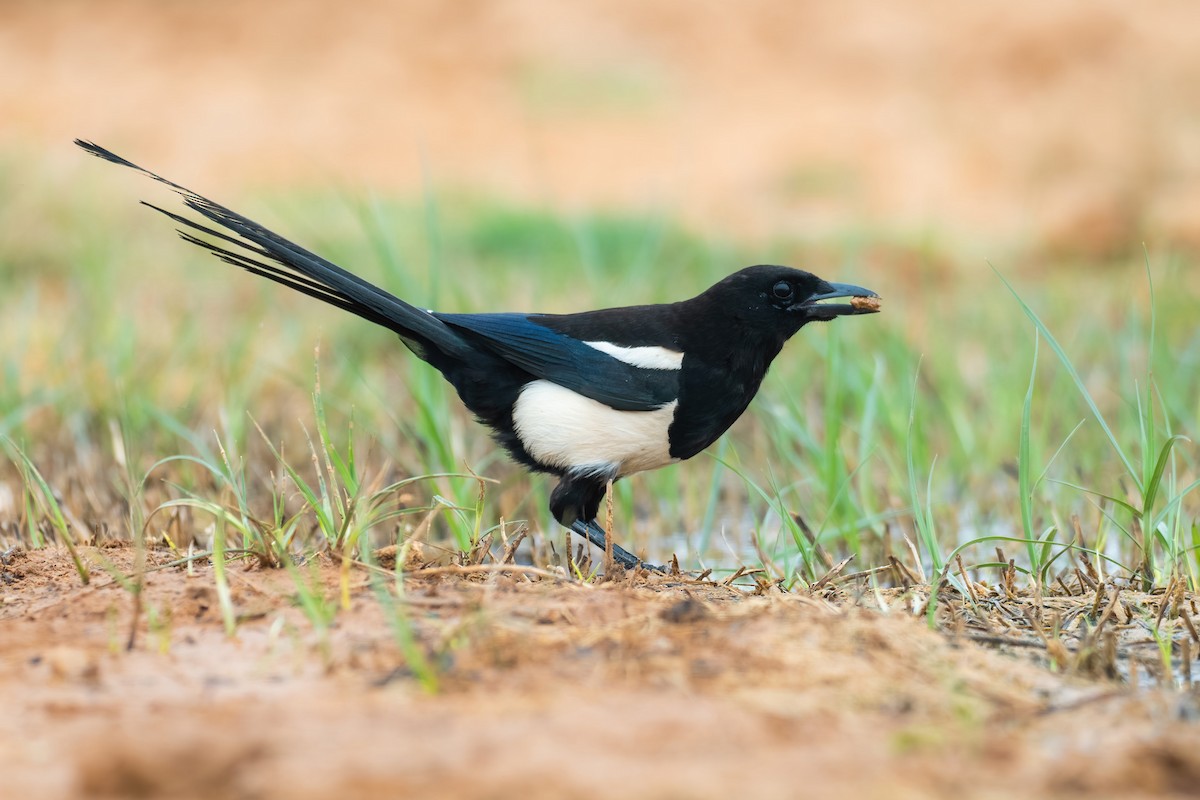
column 652, row 687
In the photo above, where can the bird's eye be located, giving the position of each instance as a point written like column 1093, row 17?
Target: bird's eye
column 782, row 290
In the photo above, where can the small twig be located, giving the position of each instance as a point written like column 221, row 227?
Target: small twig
column 470, row 569
column 608, row 531
column 763, row 558
column 812, row 540
column 1187, row 623
column 1077, row 527
column 1108, row 611
column 831, row 574
column 962, row 572
column 734, row 576
column 510, row 549
column 1011, row 641
column 866, row 573
column 1165, row 603
column 1098, row 599
column 1009, row 579
column 742, row 572
column 1034, row 624
column 1085, row 582
column 481, row 550
column 906, row 576
column 916, row 554
column 1093, row 576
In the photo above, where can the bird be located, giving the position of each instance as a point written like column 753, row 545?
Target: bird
column 589, row 397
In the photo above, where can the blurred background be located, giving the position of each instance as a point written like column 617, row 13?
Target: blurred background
column 1068, row 127
column 526, row 154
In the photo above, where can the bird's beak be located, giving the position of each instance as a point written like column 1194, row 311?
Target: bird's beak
column 863, row 301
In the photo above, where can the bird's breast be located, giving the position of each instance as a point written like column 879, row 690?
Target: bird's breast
column 570, row 432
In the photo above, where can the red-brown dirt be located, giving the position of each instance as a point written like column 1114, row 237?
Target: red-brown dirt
column 656, row 687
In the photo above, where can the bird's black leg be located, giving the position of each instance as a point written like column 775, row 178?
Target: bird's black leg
column 575, row 502
column 595, row 534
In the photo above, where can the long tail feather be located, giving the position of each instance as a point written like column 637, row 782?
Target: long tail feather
column 252, row 245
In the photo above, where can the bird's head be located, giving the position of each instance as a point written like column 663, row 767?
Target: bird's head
column 786, row 298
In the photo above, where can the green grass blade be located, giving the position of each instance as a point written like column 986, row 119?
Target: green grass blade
column 1160, row 466
column 1132, row 509
column 1025, row 481
column 1065, row 360
column 49, row 504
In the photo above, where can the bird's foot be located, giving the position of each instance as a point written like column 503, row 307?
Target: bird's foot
column 595, row 534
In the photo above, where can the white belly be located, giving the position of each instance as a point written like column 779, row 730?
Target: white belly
column 563, row 429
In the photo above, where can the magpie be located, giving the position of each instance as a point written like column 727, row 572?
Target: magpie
column 589, row 397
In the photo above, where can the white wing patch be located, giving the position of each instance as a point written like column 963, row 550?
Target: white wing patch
column 645, row 357
column 567, row 430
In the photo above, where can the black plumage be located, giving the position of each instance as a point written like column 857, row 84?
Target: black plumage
column 589, row 397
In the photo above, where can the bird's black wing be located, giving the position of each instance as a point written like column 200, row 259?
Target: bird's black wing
column 568, row 362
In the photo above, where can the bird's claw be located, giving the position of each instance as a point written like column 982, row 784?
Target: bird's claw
column 595, row 534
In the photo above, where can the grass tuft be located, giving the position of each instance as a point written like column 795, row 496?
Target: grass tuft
column 914, row 430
